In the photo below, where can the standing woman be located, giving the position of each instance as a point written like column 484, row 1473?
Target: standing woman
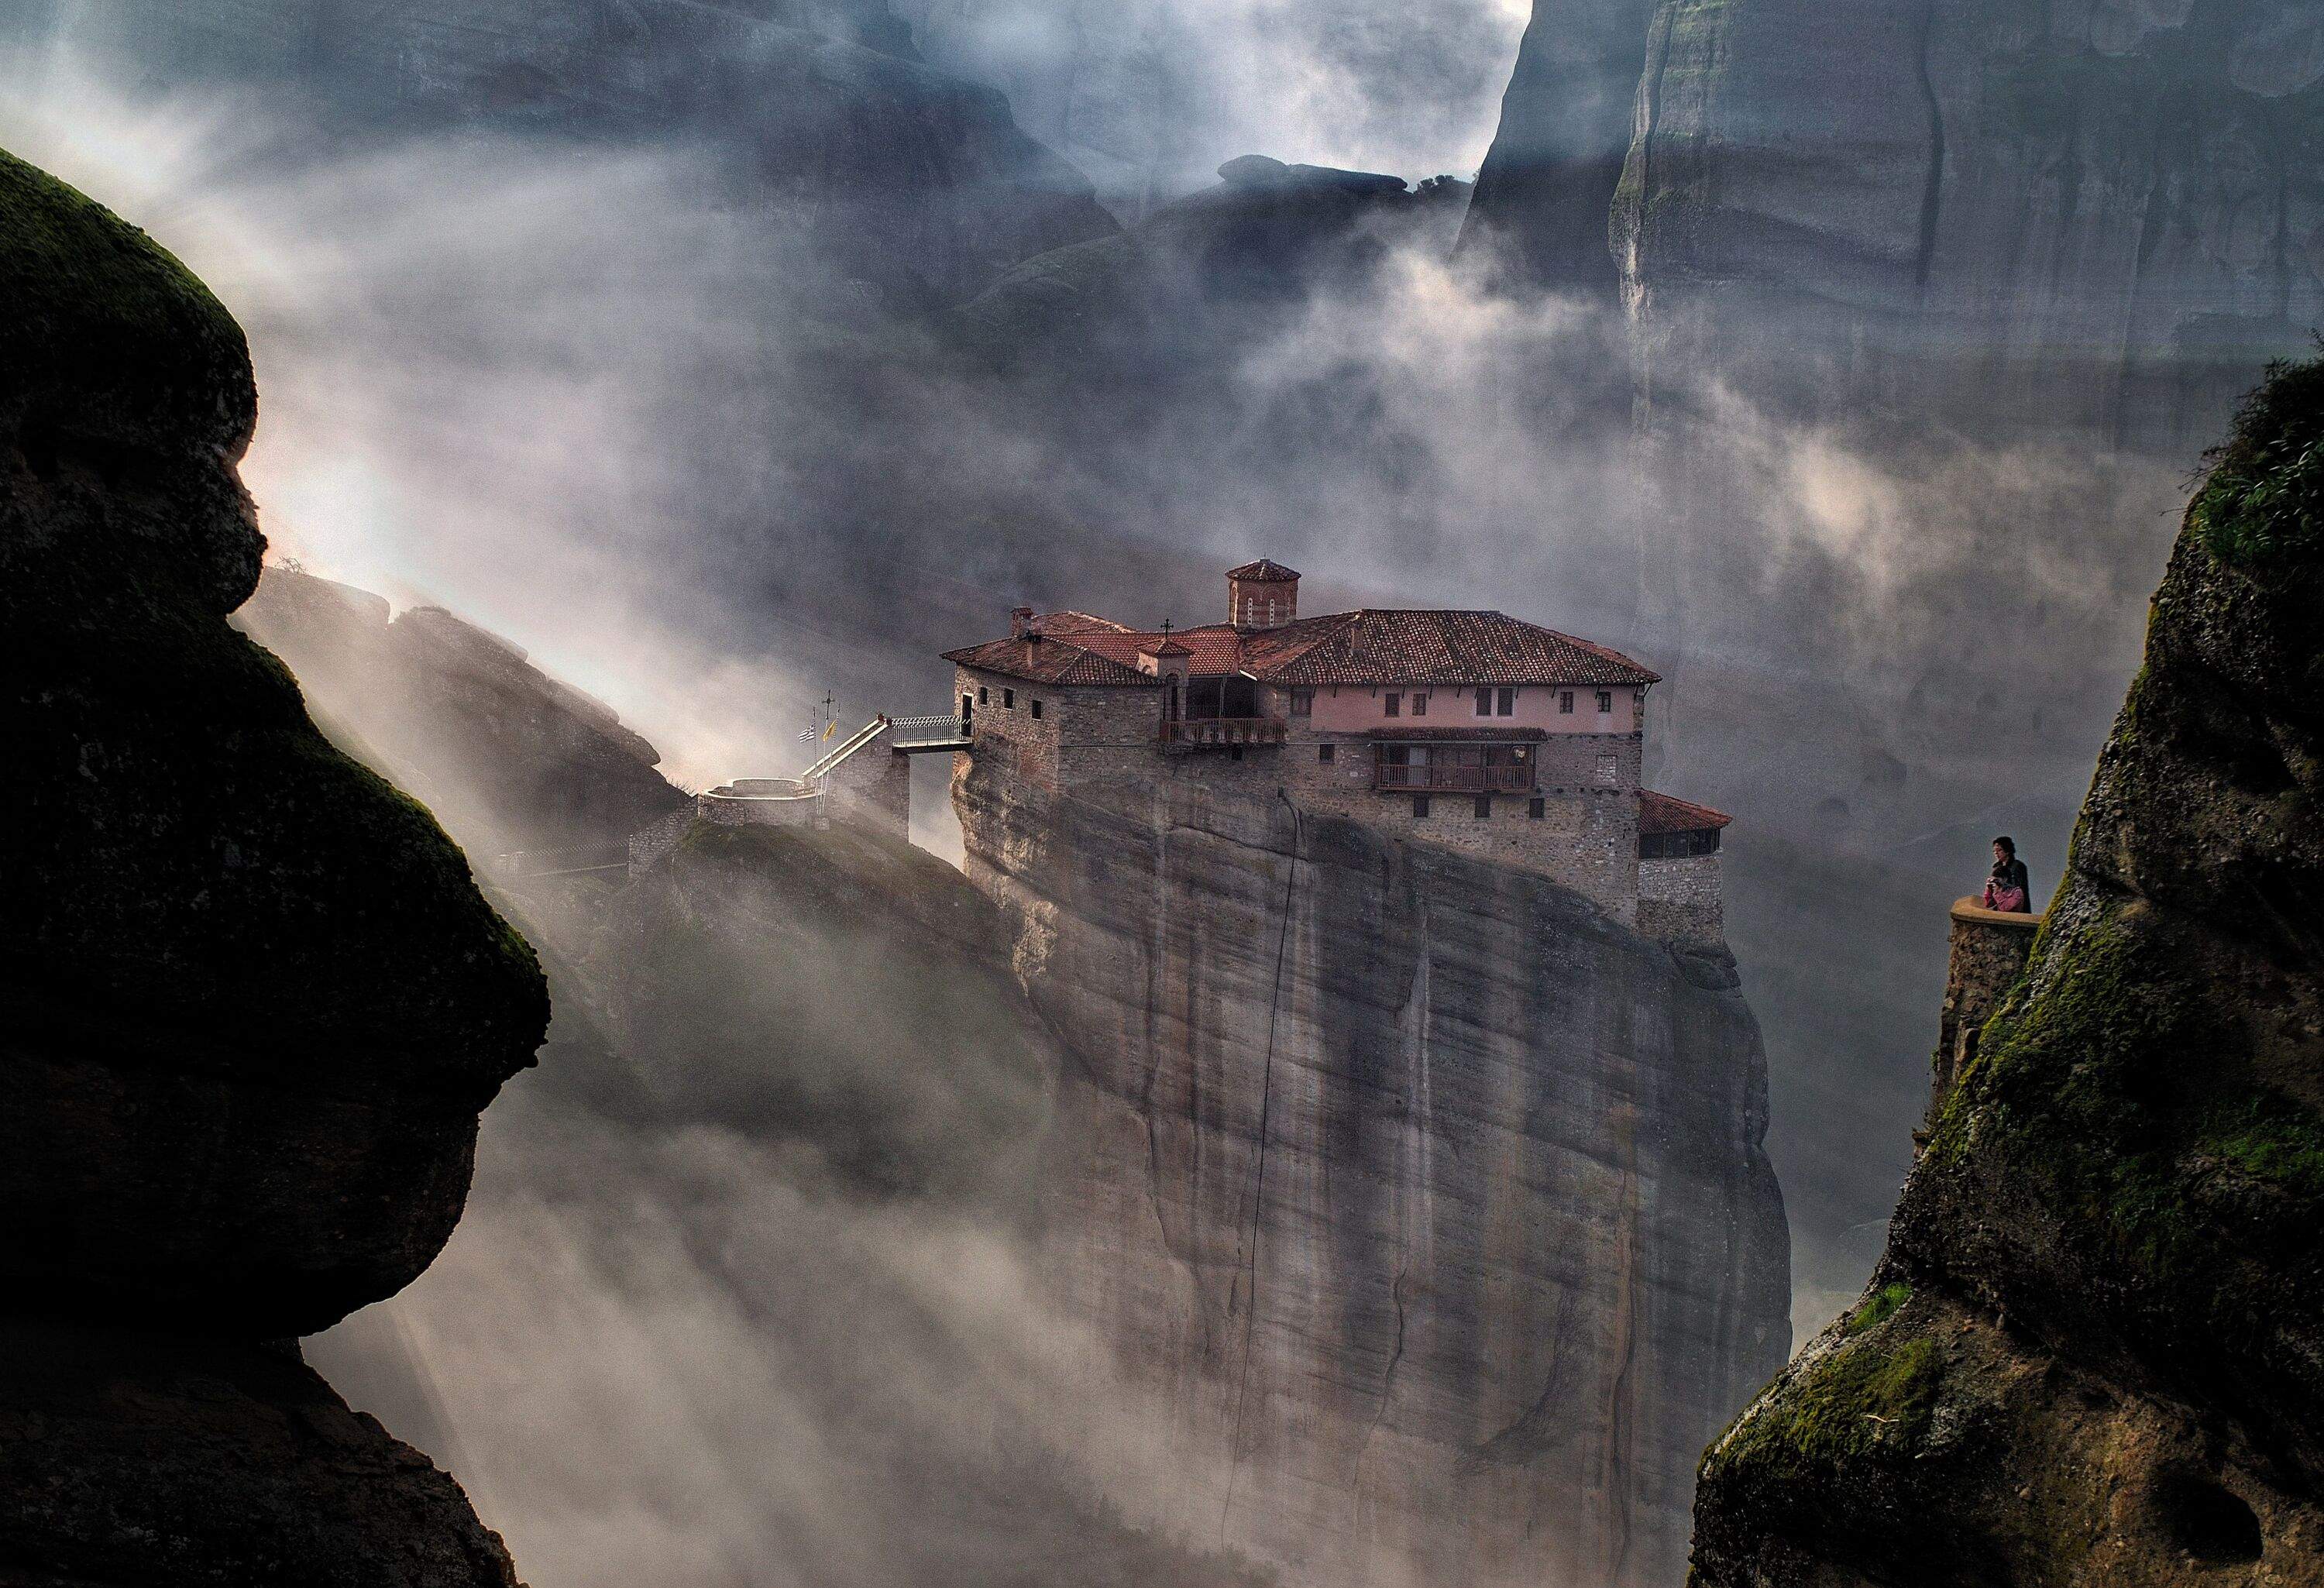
column 2008, row 888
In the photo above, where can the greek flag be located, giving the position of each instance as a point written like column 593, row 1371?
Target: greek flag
column 808, row 735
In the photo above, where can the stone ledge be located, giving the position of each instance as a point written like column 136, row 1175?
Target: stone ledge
column 1969, row 911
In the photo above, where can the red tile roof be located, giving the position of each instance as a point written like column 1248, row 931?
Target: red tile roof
column 1659, row 813
column 1070, row 624
column 1045, row 661
column 1420, row 646
column 1215, row 648
column 1440, row 647
column 1265, row 571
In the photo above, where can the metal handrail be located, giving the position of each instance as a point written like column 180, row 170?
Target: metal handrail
column 932, row 727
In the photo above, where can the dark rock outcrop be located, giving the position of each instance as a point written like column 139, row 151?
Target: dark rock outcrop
column 135, row 1456
column 1546, row 193
column 1430, row 1201
column 507, row 756
column 256, row 1001
column 2090, row 1354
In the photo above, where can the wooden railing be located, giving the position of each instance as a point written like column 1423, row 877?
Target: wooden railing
column 1452, row 777
column 1224, row 733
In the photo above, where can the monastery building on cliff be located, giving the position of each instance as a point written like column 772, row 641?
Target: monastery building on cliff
column 1472, row 730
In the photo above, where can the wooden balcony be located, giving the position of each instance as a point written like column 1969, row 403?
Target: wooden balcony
column 1224, row 733
column 1441, row 777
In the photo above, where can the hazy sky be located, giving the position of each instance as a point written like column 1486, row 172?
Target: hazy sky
column 1163, row 90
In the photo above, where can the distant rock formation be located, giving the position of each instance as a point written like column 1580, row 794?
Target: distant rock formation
column 508, row 757
column 1431, row 1201
column 1546, row 193
column 917, row 184
column 2102, row 218
column 1181, row 295
column 255, row 1001
column 2089, row 1356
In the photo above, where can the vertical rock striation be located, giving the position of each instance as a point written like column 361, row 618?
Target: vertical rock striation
column 256, row 1001
column 2090, row 1354
column 1430, row 1202
column 2103, row 217
column 1545, row 192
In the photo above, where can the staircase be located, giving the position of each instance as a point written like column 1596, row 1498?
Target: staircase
column 846, row 748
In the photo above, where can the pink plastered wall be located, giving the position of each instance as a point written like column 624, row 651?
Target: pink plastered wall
column 1354, row 708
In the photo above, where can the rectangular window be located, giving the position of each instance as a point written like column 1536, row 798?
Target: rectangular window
column 1605, row 701
column 1508, row 702
column 1394, row 702
column 1325, row 753
column 1537, row 810
column 1037, row 708
column 966, row 708
column 1484, row 703
column 1565, row 703
column 983, row 697
column 1484, row 806
column 1008, row 700
column 1420, row 805
column 1302, row 702
column 1420, row 703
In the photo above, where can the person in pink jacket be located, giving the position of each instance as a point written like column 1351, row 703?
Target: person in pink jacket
column 2008, row 888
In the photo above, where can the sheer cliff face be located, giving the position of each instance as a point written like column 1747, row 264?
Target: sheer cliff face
column 2091, row 1353
column 1546, row 188
column 255, row 1001
column 1430, row 1202
column 2101, row 215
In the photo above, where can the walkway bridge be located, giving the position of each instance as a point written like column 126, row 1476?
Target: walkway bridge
column 927, row 735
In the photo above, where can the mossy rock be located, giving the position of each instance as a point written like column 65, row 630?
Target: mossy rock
column 2122, row 1194
column 259, row 998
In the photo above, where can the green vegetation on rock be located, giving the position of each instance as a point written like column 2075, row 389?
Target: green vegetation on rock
column 1878, row 1307
column 101, row 314
column 1855, row 1398
column 2264, row 499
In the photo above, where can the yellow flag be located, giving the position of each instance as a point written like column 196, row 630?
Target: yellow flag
column 828, row 726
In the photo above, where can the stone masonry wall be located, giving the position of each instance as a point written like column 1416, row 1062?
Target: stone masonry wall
column 1026, row 745
column 1988, row 955
column 1680, row 900
column 874, row 787
column 1586, row 838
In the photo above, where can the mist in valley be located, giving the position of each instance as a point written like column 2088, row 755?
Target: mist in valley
column 762, row 1313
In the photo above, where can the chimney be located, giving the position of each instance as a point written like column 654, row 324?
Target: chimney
column 1262, row 595
column 1021, row 621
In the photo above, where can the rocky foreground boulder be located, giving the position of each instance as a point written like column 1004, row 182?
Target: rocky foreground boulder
column 2091, row 1353
column 256, row 1001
